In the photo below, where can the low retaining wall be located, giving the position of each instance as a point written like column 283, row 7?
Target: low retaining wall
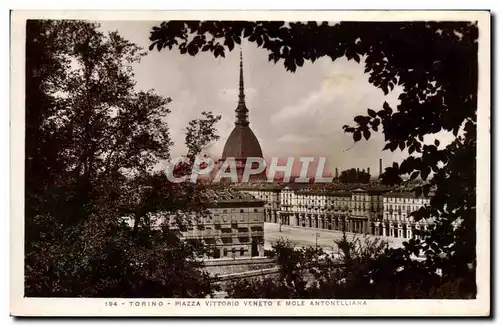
column 249, row 274
column 237, row 261
column 234, row 266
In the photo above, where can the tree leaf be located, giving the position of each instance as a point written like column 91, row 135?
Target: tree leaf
column 387, row 108
column 260, row 41
column 385, row 89
column 299, row 61
column 366, row 133
column 359, row 119
column 357, row 135
column 356, row 57
column 230, row 43
column 152, row 45
column 401, row 145
column 425, row 172
column 392, row 146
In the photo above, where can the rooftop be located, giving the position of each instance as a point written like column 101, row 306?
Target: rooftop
column 216, row 195
column 403, row 194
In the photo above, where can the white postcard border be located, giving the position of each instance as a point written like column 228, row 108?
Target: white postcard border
column 21, row 306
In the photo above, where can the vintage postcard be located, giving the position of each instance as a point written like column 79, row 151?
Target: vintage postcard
column 305, row 163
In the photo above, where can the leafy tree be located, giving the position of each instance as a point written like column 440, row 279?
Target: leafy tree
column 201, row 133
column 435, row 63
column 92, row 144
column 365, row 269
column 354, row 176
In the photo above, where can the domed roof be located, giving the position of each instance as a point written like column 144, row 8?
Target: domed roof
column 241, row 144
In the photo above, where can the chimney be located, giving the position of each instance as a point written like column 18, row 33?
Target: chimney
column 357, row 170
column 336, row 172
column 380, row 167
column 368, row 170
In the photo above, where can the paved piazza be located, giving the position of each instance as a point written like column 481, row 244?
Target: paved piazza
column 307, row 237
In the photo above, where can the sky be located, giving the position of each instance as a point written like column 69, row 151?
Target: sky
column 292, row 114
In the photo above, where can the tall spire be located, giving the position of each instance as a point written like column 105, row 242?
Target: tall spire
column 242, row 87
column 241, row 110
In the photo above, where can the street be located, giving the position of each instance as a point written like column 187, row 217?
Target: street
column 307, row 237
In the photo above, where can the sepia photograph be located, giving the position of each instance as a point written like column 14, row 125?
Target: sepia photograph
column 239, row 163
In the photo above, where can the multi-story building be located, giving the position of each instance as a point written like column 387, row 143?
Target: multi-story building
column 397, row 221
column 267, row 192
column 332, row 207
column 367, row 209
column 320, row 208
column 232, row 225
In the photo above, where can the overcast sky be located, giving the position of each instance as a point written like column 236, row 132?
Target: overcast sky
column 292, row 114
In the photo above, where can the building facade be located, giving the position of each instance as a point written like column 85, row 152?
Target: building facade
column 331, row 208
column 268, row 193
column 397, row 221
column 231, row 227
column 365, row 209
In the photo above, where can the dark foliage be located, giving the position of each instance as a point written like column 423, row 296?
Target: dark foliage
column 366, row 269
column 91, row 144
column 354, row 176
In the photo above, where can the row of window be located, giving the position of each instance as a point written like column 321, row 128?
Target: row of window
column 408, row 208
column 355, row 206
column 406, row 200
column 225, row 211
column 353, row 197
column 313, row 202
column 233, row 251
column 365, row 198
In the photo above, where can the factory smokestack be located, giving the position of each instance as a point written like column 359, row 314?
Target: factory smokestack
column 380, row 167
column 336, row 173
column 368, row 170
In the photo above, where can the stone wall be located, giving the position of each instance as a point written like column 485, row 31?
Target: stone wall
column 232, row 266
